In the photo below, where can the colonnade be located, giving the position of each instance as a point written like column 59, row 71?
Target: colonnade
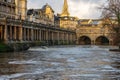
column 14, row 33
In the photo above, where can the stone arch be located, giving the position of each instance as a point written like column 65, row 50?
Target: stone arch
column 102, row 40
column 84, row 40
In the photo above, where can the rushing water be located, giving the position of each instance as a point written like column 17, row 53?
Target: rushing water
column 61, row 63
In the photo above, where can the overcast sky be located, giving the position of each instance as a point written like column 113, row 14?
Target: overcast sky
column 79, row 8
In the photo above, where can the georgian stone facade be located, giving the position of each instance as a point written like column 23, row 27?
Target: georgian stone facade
column 45, row 15
column 7, row 8
column 43, row 26
column 67, row 22
column 13, row 9
column 37, row 27
column 21, row 9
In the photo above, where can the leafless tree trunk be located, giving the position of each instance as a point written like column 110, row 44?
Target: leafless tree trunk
column 112, row 13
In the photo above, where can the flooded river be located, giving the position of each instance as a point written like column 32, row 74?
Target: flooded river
column 61, row 63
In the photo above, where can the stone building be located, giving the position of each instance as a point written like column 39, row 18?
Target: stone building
column 13, row 9
column 65, row 20
column 21, row 31
column 21, row 9
column 45, row 15
column 94, row 32
column 19, row 25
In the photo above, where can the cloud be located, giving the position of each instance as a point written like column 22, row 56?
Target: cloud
column 79, row 8
column 85, row 8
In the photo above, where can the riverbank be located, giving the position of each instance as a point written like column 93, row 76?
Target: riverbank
column 115, row 50
column 13, row 47
column 5, row 48
column 16, row 47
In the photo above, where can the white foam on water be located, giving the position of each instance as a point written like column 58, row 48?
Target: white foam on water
column 107, row 67
column 55, row 63
column 71, row 60
column 70, row 54
column 106, row 60
column 38, row 49
column 85, row 75
column 37, row 71
column 8, row 77
column 25, row 62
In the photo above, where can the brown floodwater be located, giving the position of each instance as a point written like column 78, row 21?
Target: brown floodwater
column 61, row 63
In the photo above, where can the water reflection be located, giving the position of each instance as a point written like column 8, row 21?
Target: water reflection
column 6, row 68
column 61, row 63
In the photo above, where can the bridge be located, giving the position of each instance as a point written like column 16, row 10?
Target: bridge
column 13, row 31
column 94, row 34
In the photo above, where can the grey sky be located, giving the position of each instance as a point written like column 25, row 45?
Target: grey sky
column 79, row 8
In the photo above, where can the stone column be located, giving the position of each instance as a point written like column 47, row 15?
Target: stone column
column 63, row 37
column 67, row 35
column 28, row 35
column 14, row 33
column 20, row 33
column 5, row 34
column 34, row 31
column 35, row 34
column 47, row 36
column 10, row 32
column 58, row 37
column 0, row 32
column 52, row 38
column 24, row 34
column 71, row 37
column 39, row 35
column 44, row 35
column 32, row 36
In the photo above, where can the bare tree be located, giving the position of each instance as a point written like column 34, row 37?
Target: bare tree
column 111, row 12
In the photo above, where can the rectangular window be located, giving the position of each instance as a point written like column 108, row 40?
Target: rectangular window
column 8, row 0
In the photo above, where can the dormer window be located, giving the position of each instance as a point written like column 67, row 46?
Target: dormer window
column 65, row 18
column 5, row 0
column 71, row 18
column 9, row 1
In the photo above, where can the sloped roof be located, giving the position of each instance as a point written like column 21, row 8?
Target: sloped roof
column 89, row 21
column 46, row 5
column 33, row 11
